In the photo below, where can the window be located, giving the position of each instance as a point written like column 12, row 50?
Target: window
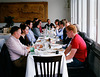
column 98, row 22
column 87, row 15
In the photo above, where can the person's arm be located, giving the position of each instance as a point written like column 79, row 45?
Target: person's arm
column 38, row 32
column 28, row 36
column 67, row 50
column 59, row 33
column 71, row 55
column 64, row 34
column 52, row 25
column 44, row 27
column 31, row 36
column 21, row 40
column 17, row 47
column 35, row 32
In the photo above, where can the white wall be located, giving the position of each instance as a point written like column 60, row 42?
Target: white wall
column 57, row 9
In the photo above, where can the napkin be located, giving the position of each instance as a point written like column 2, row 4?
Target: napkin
column 70, row 60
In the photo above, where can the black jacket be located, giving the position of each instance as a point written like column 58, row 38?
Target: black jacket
column 66, row 40
column 5, row 62
column 47, row 25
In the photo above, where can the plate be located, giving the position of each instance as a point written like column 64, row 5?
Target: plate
column 54, row 44
column 41, row 37
column 56, row 47
column 38, row 41
column 61, row 50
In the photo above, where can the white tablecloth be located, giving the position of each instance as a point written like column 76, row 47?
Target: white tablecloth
column 30, row 69
column 4, row 36
column 2, row 41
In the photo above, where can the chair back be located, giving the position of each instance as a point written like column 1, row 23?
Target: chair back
column 5, row 62
column 52, row 61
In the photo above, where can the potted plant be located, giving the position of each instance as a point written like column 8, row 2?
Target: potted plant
column 9, row 21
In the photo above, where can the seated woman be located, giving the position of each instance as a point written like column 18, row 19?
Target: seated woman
column 17, row 50
column 77, row 48
column 23, row 38
column 40, row 23
column 56, row 22
column 36, row 30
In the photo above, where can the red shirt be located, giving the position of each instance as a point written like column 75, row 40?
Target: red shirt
column 79, row 44
column 40, row 29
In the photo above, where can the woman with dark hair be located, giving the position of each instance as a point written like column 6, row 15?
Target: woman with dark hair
column 40, row 23
column 36, row 29
column 35, row 20
column 56, row 22
column 24, row 31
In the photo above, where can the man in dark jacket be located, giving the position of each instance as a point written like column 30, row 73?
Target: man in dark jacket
column 49, row 24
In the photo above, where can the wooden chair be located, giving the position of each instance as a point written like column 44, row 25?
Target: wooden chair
column 74, row 71
column 43, row 60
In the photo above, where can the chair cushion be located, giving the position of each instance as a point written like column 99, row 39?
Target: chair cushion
column 49, row 76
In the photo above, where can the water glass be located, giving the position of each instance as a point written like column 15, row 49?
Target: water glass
column 46, row 45
column 32, row 49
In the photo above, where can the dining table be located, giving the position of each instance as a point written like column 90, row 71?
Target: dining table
column 4, row 36
column 46, row 46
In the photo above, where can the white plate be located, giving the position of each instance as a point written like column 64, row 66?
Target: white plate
column 56, row 47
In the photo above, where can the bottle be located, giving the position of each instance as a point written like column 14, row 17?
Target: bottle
column 46, row 31
column 49, row 46
column 32, row 44
column 49, row 28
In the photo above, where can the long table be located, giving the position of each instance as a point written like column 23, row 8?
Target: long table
column 30, row 69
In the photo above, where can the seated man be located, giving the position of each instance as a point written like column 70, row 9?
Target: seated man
column 66, row 40
column 77, row 48
column 83, row 35
column 48, row 25
column 17, row 50
column 61, row 28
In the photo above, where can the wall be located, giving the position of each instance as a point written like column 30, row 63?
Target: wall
column 57, row 9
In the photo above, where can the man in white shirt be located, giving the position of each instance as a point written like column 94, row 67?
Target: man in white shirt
column 17, row 50
column 30, row 34
column 61, row 27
